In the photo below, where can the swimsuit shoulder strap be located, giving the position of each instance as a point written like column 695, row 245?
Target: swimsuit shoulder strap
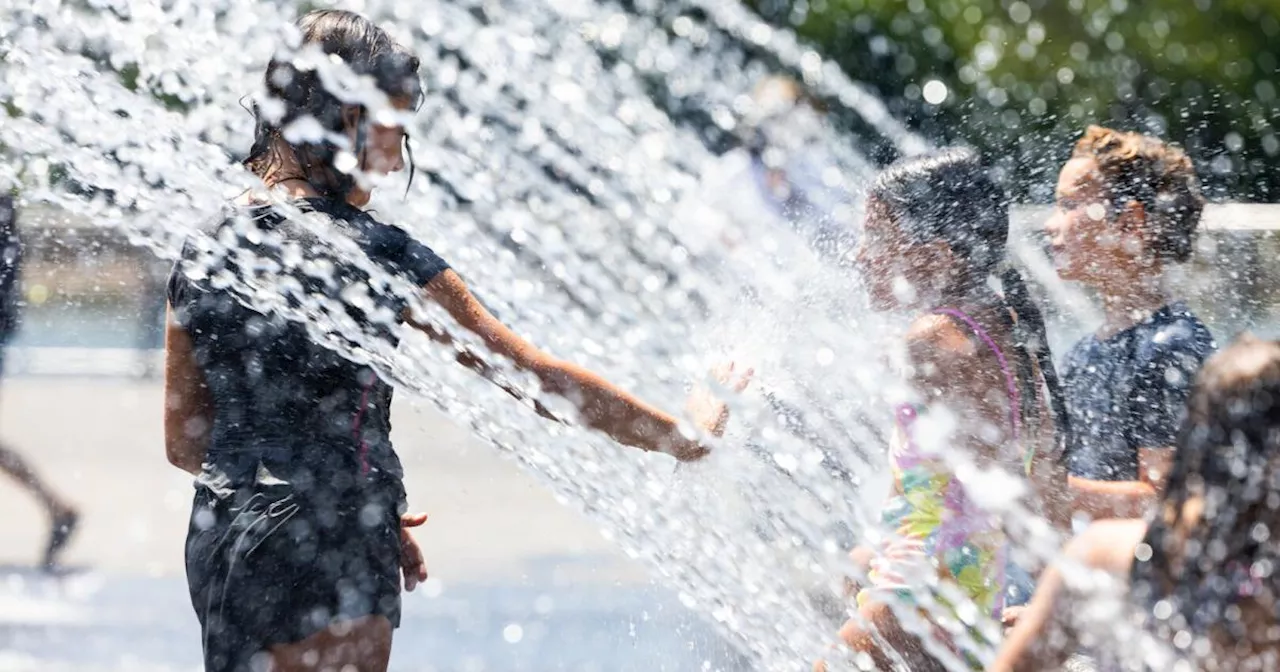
column 1015, row 423
column 1011, row 383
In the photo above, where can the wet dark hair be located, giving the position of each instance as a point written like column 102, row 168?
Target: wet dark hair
column 951, row 197
column 367, row 50
column 1228, row 452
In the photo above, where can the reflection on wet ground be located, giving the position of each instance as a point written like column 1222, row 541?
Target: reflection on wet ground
column 99, row 622
column 522, row 582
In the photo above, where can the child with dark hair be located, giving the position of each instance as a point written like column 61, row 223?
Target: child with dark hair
column 62, row 515
column 1128, row 207
column 295, row 544
column 1200, row 574
column 934, row 242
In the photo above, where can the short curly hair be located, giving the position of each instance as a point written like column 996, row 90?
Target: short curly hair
column 1157, row 175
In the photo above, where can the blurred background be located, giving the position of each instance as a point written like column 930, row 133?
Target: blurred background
column 527, row 583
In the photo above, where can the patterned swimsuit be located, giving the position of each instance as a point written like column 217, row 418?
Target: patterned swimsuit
column 936, row 525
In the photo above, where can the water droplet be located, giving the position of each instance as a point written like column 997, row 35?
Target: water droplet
column 1020, row 12
column 934, row 92
column 543, row 604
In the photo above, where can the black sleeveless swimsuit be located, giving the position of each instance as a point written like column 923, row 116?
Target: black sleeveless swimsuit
column 295, row 523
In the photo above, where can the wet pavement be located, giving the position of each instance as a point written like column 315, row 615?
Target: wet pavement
column 97, row 621
column 520, row 582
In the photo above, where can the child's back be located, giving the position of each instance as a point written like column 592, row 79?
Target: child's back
column 1126, row 392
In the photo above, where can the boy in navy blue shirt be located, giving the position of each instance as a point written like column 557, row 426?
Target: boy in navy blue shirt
column 1128, row 206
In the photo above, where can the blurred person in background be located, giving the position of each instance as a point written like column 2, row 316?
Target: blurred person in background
column 769, row 211
column 62, row 515
column 774, row 179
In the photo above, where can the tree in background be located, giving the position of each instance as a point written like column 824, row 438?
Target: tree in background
column 1019, row 79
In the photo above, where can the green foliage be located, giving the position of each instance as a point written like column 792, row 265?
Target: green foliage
column 58, row 174
column 1023, row 77
column 129, row 76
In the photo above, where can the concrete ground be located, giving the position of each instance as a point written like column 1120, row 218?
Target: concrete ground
column 519, row 581
column 99, row 441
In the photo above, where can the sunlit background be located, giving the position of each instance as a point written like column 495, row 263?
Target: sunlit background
column 577, row 143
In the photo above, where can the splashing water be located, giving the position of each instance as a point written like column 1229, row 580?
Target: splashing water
column 562, row 141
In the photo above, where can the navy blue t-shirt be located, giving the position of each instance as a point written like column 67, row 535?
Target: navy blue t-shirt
column 282, row 400
column 1130, row 391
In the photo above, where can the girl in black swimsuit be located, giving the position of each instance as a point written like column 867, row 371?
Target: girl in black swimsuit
column 296, row 544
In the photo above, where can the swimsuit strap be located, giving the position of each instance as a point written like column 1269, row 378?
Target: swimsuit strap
column 955, row 499
column 1015, row 422
column 1011, row 383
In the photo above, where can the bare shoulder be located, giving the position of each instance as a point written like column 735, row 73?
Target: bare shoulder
column 938, row 338
column 1108, row 545
column 941, row 350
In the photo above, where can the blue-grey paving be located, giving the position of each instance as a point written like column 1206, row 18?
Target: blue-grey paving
column 96, row 622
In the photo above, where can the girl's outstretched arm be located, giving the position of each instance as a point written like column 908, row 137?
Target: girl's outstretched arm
column 602, row 405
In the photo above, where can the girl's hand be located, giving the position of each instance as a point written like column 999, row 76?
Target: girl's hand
column 709, row 412
column 1009, row 617
column 412, row 565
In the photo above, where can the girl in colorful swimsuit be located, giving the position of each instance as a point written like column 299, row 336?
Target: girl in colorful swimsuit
column 934, row 242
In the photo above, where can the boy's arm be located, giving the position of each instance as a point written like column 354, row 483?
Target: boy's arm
column 1161, row 388
column 1111, row 499
column 1154, row 465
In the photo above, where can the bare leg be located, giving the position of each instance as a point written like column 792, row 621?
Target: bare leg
column 62, row 516
column 905, row 644
column 830, row 602
column 12, row 463
column 362, row 645
column 878, row 618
